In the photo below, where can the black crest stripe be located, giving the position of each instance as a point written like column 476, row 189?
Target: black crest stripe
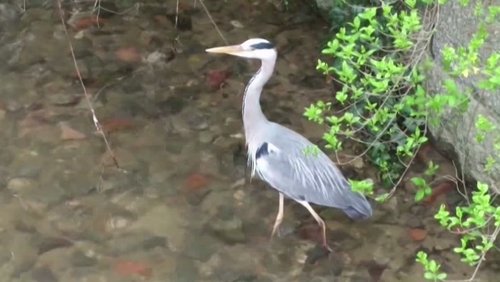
column 263, row 45
column 262, row 151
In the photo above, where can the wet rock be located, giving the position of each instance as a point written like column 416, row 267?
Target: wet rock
column 419, row 210
column 246, row 278
column 114, row 181
column 161, row 170
column 206, row 137
column 129, row 243
column 197, row 62
column 174, row 144
column 162, row 220
column 154, row 242
column 181, row 21
column 26, row 225
column 62, row 99
column 208, row 268
column 117, row 124
column 3, row 174
column 69, row 133
column 229, row 229
column 349, row 276
column 316, row 254
column 331, row 214
column 224, row 143
column 201, row 247
column 8, row 12
column 21, row 185
column 417, row 234
column 196, row 197
column 51, row 243
column 43, row 274
column 5, row 257
column 13, row 106
column 185, row 270
column 395, row 239
column 237, row 24
column 116, row 223
column 36, row 13
column 128, row 55
column 358, row 164
column 133, row 268
column 391, row 205
column 80, row 259
column 179, row 125
column 411, row 221
column 209, row 163
column 214, row 201
column 156, row 58
column 197, row 121
column 25, row 255
column 440, row 242
column 172, row 105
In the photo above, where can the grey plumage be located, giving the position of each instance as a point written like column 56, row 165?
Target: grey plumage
column 300, row 173
column 279, row 155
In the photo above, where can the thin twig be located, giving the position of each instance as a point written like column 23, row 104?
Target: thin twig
column 176, row 13
column 481, row 259
column 97, row 124
column 493, row 238
column 213, row 22
column 97, row 6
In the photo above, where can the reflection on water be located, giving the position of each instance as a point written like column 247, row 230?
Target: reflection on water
column 178, row 208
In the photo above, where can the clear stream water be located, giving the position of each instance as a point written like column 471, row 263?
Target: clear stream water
column 180, row 207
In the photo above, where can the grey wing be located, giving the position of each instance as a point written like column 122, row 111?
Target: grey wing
column 285, row 163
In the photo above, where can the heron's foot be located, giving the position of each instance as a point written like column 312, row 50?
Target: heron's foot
column 327, row 247
column 324, row 241
column 279, row 217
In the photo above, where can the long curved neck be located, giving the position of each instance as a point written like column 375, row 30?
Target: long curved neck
column 253, row 118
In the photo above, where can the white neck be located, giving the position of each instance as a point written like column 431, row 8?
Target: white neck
column 253, row 118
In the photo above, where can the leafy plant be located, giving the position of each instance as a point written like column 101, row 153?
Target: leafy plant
column 431, row 267
column 375, row 63
column 431, row 169
column 383, row 104
column 423, row 189
column 473, row 223
column 363, row 186
column 478, row 221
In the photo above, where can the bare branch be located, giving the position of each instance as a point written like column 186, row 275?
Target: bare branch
column 88, row 99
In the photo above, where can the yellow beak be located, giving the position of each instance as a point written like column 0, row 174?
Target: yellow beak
column 231, row 50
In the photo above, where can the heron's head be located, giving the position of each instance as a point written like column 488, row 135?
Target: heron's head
column 254, row 48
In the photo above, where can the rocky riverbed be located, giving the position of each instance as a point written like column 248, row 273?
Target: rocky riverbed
column 179, row 207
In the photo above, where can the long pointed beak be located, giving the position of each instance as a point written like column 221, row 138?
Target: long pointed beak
column 231, row 50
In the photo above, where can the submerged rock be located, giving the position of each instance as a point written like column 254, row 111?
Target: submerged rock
column 21, row 185
column 8, row 12
column 43, row 274
column 229, row 230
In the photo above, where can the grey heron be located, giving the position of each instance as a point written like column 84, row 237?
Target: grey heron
column 278, row 156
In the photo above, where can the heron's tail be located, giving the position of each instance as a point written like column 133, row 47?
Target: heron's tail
column 359, row 209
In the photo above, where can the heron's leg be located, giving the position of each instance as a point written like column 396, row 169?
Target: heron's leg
column 279, row 216
column 319, row 220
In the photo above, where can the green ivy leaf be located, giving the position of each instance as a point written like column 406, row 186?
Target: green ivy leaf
column 411, row 3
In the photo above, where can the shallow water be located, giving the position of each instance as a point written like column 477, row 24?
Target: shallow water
column 180, row 206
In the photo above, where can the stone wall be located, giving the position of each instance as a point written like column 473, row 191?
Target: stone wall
column 456, row 130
